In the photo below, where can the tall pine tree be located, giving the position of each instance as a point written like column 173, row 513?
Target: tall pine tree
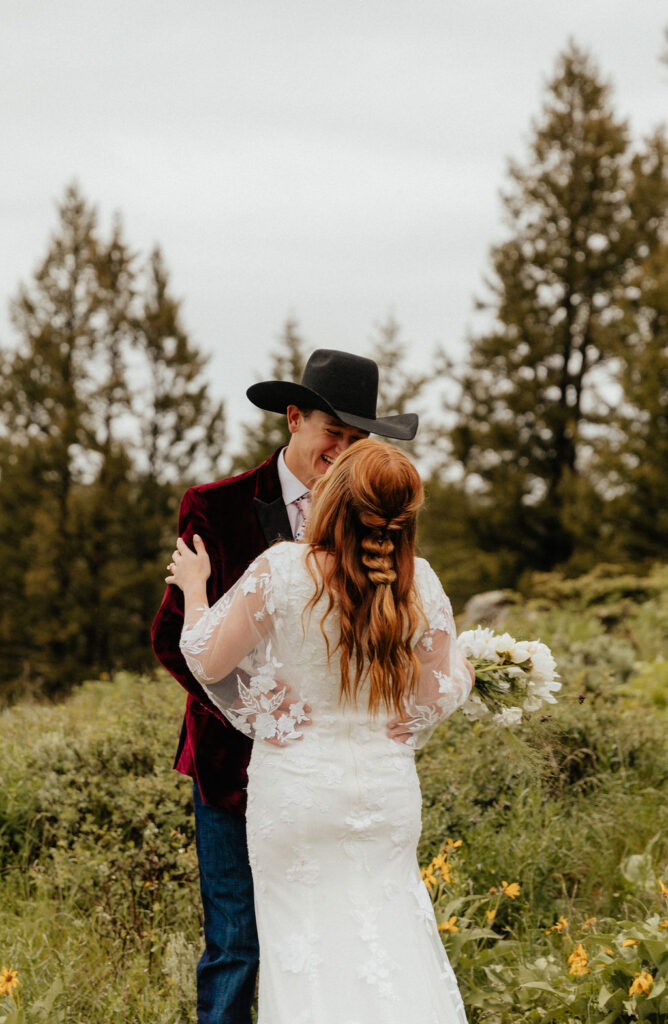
column 535, row 397
column 47, row 388
column 182, row 433
column 638, row 450
column 105, row 413
column 635, row 455
column 182, row 429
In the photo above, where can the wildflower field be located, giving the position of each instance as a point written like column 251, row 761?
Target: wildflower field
column 544, row 848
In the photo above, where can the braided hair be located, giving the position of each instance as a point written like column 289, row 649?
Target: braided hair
column 364, row 519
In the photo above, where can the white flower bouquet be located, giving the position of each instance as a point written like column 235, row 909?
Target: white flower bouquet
column 512, row 676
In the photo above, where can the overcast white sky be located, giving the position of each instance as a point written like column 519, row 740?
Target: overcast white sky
column 335, row 160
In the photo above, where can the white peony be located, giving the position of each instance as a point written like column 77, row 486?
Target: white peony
column 475, row 708
column 520, row 652
column 512, row 676
column 545, row 690
column 503, row 643
column 477, row 643
column 543, row 665
column 515, row 672
column 509, row 716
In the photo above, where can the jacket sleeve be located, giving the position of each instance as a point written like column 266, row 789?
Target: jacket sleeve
column 167, row 625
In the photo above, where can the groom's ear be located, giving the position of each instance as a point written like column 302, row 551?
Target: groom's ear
column 295, row 418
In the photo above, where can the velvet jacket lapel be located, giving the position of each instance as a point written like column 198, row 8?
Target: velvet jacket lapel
column 269, row 505
column 274, row 520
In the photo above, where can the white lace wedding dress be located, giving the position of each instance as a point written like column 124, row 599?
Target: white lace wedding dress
column 346, row 927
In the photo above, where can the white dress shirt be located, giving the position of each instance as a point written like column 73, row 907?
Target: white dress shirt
column 291, row 488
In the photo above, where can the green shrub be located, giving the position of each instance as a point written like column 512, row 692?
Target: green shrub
column 99, row 869
column 98, row 883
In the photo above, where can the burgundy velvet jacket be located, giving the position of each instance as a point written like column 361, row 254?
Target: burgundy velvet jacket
column 237, row 519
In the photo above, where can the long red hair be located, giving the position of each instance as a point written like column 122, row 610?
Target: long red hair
column 364, row 517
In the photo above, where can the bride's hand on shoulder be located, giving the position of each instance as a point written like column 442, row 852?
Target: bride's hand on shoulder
column 189, row 569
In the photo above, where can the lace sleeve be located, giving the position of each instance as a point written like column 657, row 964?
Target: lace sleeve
column 229, row 651
column 445, row 681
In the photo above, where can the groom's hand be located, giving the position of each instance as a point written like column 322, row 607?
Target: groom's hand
column 290, row 716
column 288, row 708
column 399, row 729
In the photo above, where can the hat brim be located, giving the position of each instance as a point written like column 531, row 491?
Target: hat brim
column 277, row 395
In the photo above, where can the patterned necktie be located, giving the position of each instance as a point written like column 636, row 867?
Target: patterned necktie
column 303, row 508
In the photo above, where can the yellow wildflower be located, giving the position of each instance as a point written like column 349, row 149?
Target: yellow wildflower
column 511, row 889
column 490, row 914
column 560, row 926
column 493, row 890
column 608, row 950
column 448, row 926
column 578, row 961
column 642, row 986
column 9, row 980
column 588, row 923
column 428, row 877
column 629, row 942
column 664, row 888
column 452, row 845
column 440, row 863
column 663, row 924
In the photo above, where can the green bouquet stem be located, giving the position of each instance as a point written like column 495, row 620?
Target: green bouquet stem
column 493, row 687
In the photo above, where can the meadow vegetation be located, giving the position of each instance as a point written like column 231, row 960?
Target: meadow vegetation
column 545, row 849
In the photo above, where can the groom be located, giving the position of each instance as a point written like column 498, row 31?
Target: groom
column 238, row 518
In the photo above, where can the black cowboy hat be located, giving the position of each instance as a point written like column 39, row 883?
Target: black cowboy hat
column 341, row 384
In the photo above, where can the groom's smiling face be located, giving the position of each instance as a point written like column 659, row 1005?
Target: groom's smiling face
column 315, row 441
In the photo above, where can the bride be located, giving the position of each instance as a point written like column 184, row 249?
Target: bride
column 338, row 656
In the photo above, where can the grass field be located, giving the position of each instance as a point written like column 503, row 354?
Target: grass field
column 545, row 849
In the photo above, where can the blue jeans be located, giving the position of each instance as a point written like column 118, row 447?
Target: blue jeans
column 227, row 970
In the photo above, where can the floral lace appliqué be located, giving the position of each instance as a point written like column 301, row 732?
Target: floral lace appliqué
column 298, row 953
column 303, row 869
column 377, row 967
